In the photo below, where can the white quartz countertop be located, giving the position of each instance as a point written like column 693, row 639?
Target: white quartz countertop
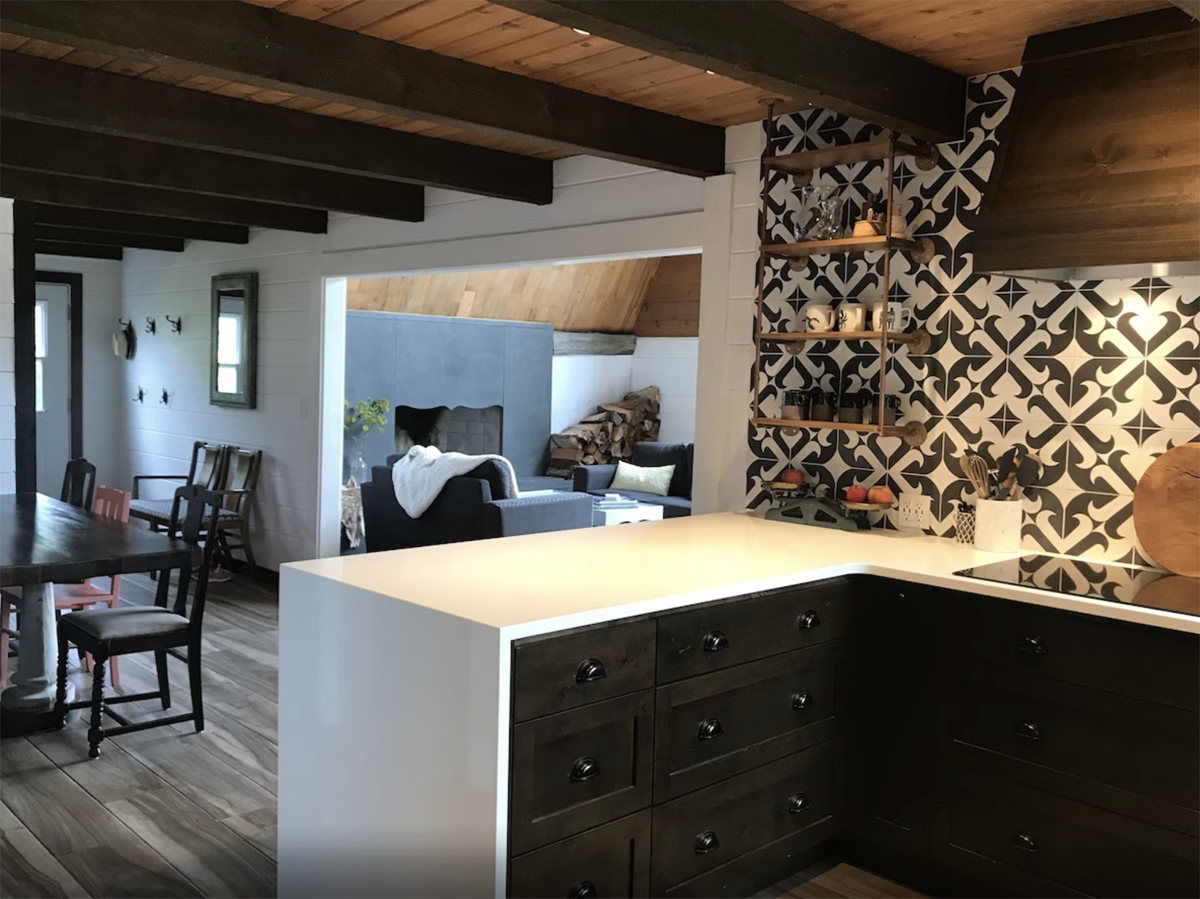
column 547, row 582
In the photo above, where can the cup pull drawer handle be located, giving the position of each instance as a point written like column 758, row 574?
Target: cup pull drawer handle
column 797, row 803
column 1024, row 842
column 1032, row 645
column 809, row 620
column 585, row 768
column 585, row 889
column 709, row 729
column 590, row 670
column 1027, row 730
column 707, row 842
column 715, row 641
column 802, row 701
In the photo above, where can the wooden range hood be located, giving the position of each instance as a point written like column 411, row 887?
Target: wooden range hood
column 1098, row 170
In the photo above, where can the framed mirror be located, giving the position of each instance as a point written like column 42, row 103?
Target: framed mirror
column 234, row 349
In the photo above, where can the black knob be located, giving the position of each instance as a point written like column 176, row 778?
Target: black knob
column 709, row 728
column 1027, row 730
column 797, row 803
column 809, row 620
column 715, row 641
column 802, row 700
column 585, row 768
column 707, row 842
column 585, row 889
column 590, row 670
column 1032, row 645
column 1024, row 842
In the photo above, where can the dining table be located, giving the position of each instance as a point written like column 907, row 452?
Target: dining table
column 44, row 540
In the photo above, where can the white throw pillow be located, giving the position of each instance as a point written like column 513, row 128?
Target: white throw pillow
column 643, row 480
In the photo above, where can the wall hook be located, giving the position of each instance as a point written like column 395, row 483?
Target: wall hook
column 151, row 328
column 176, row 324
column 165, row 397
column 141, row 396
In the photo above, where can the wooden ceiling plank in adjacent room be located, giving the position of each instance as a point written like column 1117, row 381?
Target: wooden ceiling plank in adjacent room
column 63, row 190
column 365, row 14
column 100, row 220
column 250, row 44
column 86, row 154
column 769, row 45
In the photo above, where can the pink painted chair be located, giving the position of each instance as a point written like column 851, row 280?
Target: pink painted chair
column 109, row 503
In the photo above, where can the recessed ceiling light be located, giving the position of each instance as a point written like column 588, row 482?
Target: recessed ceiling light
column 581, row 31
column 709, row 72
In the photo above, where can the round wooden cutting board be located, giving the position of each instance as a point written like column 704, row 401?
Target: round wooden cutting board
column 1166, row 510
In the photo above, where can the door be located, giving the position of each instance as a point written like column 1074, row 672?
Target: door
column 52, row 344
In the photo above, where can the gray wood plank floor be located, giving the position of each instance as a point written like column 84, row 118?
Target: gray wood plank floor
column 164, row 812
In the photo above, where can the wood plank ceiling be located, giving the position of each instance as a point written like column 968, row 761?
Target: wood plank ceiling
column 965, row 36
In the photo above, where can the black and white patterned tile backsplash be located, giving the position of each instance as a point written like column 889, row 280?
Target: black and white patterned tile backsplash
column 1098, row 377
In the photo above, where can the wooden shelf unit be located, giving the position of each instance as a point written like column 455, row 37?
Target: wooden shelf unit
column 800, row 166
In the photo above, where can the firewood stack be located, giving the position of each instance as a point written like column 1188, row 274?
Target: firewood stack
column 607, row 436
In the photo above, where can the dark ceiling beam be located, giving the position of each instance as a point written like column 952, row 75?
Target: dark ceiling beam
column 778, row 48
column 1110, row 34
column 132, row 223
column 269, row 49
column 63, row 190
column 108, row 238
column 1191, row 7
column 86, row 154
column 56, row 93
column 86, row 250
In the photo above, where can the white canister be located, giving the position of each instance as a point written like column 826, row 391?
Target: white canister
column 998, row 525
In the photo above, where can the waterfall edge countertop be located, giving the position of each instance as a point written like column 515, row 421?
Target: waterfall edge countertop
column 540, row 583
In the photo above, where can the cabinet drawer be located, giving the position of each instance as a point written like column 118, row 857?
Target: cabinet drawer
column 712, row 727
column 581, row 768
column 698, row 833
column 719, row 634
column 610, row 861
column 1142, row 662
column 1081, row 847
column 564, row 671
column 1147, row 749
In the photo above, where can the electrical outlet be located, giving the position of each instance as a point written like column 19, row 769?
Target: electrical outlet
column 912, row 512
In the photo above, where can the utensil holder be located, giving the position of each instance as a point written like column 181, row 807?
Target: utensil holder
column 964, row 526
column 998, row 525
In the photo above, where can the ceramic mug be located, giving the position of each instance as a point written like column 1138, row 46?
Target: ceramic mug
column 899, row 316
column 851, row 317
column 819, row 318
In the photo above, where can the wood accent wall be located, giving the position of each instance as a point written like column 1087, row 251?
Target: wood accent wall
column 671, row 307
column 589, row 296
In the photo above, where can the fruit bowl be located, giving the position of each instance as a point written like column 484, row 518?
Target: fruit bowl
column 870, row 507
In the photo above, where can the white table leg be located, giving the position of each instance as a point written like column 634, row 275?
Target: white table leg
column 34, row 683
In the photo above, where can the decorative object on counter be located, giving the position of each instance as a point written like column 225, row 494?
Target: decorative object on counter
column 998, row 525
column 1165, row 504
column 819, row 317
column 851, row 317
column 964, row 524
column 176, row 324
column 898, row 316
column 125, row 340
column 796, row 405
column 822, row 513
column 151, row 327
column 877, row 499
column 361, row 419
column 824, row 406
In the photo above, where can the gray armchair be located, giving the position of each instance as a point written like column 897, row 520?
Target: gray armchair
column 596, row 479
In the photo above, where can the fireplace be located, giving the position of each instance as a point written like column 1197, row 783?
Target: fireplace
column 461, row 429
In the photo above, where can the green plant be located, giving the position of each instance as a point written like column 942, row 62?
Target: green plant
column 365, row 416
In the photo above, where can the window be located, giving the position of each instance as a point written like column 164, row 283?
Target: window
column 39, row 350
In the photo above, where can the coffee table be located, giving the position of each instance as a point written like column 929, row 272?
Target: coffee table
column 641, row 512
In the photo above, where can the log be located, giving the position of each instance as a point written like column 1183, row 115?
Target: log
column 573, row 455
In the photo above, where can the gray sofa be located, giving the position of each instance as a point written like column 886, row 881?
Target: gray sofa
column 595, row 479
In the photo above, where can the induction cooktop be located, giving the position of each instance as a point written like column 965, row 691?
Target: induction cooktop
column 1147, row 587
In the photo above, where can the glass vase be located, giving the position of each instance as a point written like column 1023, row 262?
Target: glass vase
column 359, row 470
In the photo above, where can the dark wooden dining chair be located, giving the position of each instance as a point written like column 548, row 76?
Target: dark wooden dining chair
column 241, row 480
column 207, row 470
column 79, row 483
column 106, row 634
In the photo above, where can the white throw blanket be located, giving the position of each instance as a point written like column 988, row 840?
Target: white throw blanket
column 419, row 476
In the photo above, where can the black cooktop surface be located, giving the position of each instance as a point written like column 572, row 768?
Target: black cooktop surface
column 1096, row 580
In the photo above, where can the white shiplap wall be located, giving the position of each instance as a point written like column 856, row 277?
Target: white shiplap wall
column 601, row 208
column 669, row 363
column 8, row 447
column 581, row 383
column 105, row 404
